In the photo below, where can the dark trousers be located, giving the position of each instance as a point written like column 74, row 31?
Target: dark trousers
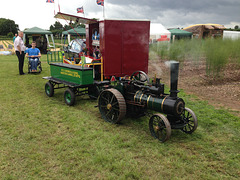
column 20, row 61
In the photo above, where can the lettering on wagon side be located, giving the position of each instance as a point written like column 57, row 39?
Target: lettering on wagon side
column 69, row 73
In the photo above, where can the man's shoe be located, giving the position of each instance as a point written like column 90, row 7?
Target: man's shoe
column 22, row 74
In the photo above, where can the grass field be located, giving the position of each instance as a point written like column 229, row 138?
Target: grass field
column 42, row 138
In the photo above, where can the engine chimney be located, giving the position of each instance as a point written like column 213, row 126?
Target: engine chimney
column 174, row 68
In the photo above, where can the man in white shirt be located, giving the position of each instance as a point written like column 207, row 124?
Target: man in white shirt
column 19, row 49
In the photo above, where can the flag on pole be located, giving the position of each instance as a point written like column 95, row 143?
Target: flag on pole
column 100, row 2
column 80, row 10
column 50, row 1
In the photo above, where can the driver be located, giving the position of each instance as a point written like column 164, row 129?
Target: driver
column 33, row 54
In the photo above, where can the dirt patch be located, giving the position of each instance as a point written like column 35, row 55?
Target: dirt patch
column 221, row 93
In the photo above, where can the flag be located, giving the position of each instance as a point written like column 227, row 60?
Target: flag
column 50, row 1
column 100, row 2
column 80, row 10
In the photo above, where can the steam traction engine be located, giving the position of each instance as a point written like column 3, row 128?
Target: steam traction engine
column 124, row 46
column 134, row 95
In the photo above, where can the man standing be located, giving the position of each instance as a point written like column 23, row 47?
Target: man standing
column 20, row 48
column 14, row 37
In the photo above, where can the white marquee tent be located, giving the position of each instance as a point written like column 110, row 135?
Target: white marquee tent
column 158, row 33
column 231, row 35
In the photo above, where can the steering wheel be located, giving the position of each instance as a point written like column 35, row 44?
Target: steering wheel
column 140, row 77
column 126, row 77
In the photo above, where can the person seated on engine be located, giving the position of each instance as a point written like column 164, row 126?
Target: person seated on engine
column 33, row 54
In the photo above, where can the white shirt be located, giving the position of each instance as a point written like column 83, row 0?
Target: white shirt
column 19, row 42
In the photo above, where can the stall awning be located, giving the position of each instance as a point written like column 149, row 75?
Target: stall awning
column 77, row 19
column 36, row 30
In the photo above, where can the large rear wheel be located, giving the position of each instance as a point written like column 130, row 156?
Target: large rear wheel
column 112, row 105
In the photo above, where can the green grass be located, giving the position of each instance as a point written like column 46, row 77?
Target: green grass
column 42, row 138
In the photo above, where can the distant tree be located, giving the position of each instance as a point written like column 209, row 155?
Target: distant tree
column 74, row 25
column 10, row 35
column 7, row 26
column 67, row 27
column 236, row 27
column 56, row 26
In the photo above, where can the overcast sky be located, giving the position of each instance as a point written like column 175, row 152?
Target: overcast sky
column 177, row 13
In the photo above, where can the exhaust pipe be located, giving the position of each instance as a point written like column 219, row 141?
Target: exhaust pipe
column 174, row 68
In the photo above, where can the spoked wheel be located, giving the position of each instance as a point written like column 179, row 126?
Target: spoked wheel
column 160, row 127
column 140, row 77
column 49, row 89
column 40, row 69
column 69, row 97
column 190, row 119
column 29, row 68
column 112, row 105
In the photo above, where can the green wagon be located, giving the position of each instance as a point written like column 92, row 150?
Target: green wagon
column 78, row 80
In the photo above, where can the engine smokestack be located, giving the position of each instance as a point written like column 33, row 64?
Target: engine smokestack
column 174, row 68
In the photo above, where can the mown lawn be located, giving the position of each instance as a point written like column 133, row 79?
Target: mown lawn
column 42, row 138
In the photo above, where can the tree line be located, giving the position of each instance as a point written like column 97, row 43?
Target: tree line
column 57, row 28
column 8, row 27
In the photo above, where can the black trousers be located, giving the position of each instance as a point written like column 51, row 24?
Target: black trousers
column 20, row 61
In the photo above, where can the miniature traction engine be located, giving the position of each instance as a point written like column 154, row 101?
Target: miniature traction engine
column 135, row 95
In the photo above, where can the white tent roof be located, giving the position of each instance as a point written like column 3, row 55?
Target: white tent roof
column 231, row 34
column 157, row 28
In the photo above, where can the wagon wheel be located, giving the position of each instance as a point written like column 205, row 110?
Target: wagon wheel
column 140, row 77
column 112, row 105
column 160, row 127
column 190, row 119
column 69, row 97
column 49, row 89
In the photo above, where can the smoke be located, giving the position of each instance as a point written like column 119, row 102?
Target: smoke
column 168, row 63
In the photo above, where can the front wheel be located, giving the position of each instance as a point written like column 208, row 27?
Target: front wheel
column 160, row 127
column 190, row 119
column 69, row 97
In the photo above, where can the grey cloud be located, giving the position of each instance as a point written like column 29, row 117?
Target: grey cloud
column 177, row 13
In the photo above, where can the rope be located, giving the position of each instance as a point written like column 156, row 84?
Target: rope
column 69, row 33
